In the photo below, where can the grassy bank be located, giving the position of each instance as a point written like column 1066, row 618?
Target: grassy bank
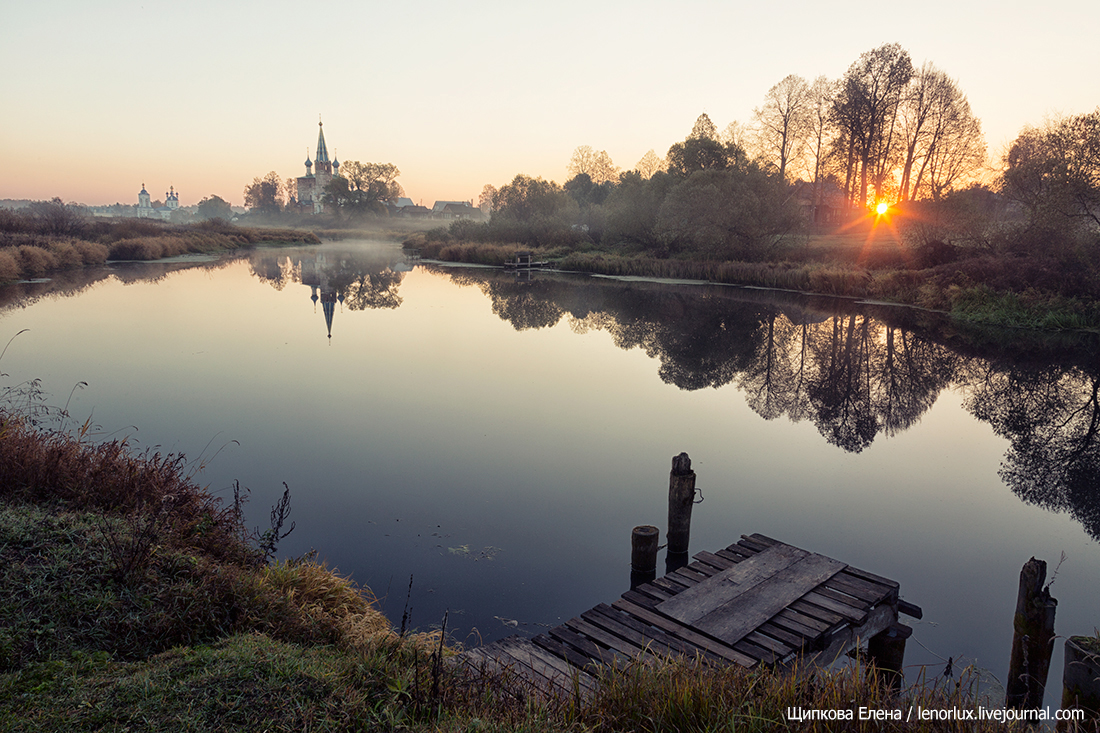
column 30, row 249
column 131, row 599
column 976, row 291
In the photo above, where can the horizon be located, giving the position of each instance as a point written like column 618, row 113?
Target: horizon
column 119, row 95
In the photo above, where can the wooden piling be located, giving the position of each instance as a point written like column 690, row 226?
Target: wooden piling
column 643, row 554
column 1033, row 640
column 681, row 497
column 1081, row 676
column 886, row 651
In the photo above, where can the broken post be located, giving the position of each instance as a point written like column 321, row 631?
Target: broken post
column 643, row 554
column 681, row 496
column 1033, row 640
column 1081, row 676
column 886, row 651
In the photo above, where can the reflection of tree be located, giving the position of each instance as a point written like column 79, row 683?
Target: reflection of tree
column 373, row 290
column 854, row 376
column 521, row 305
column 1051, row 416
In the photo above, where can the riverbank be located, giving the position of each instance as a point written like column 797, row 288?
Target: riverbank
column 975, row 289
column 130, row 597
column 29, row 249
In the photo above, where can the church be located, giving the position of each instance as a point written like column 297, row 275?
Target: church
column 319, row 173
column 145, row 208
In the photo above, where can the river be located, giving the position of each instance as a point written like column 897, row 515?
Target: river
column 494, row 439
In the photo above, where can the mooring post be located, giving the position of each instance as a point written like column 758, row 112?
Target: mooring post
column 1081, row 676
column 681, row 497
column 643, row 554
column 886, row 651
column 1033, row 640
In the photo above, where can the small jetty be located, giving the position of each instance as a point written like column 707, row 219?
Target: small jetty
column 756, row 602
column 523, row 261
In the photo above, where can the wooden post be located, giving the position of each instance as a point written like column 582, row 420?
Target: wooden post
column 1033, row 640
column 886, row 651
column 681, row 497
column 643, row 554
column 1081, row 676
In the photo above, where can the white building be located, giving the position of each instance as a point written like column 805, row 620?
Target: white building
column 145, row 208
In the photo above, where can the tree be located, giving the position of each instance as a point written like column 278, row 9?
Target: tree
column 364, row 188
column 486, row 201
column 265, row 196
column 866, row 108
column 214, row 207
column 783, row 122
column 650, row 164
column 526, row 198
column 818, row 131
column 940, row 133
column 1054, row 171
column 56, row 217
column 704, row 129
column 596, row 164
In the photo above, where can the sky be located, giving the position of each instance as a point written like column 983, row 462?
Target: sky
column 98, row 98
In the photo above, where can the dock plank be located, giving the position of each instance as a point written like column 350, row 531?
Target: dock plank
column 740, row 615
column 703, row 598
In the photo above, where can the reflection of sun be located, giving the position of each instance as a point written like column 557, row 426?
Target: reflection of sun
column 882, row 208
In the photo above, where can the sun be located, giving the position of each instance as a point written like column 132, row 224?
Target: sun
column 882, row 208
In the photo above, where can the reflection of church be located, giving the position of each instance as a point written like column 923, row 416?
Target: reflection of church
column 315, row 275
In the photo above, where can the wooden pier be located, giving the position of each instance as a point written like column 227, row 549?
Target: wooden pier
column 523, row 261
column 758, row 601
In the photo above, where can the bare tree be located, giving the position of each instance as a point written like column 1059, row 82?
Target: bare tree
column 735, row 134
column 782, row 122
column 596, row 164
column 819, row 129
column 941, row 134
column 650, row 164
column 866, row 108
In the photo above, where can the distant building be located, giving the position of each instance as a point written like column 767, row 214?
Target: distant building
column 319, row 173
column 450, row 210
column 145, row 208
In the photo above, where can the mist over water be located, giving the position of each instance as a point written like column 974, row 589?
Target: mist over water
column 496, row 439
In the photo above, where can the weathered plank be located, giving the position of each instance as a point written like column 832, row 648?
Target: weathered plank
column 703, row 598
column 744, row 612
column 679, row 630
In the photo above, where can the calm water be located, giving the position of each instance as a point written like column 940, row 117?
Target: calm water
column 497, row 439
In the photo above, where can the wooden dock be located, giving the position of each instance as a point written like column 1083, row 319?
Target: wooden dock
column 758, row 601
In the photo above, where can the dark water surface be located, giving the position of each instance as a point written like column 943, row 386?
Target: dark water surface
column 497, row 439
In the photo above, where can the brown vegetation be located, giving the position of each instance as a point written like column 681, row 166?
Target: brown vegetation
column 51, row 237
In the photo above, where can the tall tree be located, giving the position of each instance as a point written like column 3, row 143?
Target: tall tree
column 819, row 129
column 782, row 123
column 940, row 133
column 867, row 105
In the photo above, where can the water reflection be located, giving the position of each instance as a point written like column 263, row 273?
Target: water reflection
column 1051, row 416
column 855, row 372
column 360, row 279
column 852, row 374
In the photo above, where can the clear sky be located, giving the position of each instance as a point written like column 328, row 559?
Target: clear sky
column 98, row 97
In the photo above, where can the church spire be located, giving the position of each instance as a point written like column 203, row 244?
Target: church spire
column 321, row 159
